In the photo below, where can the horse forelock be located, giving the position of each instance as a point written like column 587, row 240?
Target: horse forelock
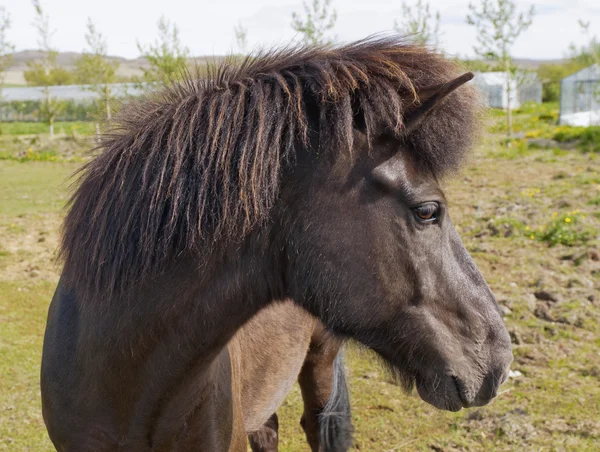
column 199, row 163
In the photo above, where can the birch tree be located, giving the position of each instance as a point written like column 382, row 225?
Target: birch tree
column 318, row 20
column 6, row 47
column 95, row 69
column 498, row 26
column 167, row 57
column 420, row 23
column 46, row 71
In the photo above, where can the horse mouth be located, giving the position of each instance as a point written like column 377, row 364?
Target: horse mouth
column 445, row 392
column 462, row 392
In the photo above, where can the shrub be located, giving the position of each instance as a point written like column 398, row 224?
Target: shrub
column 588, row 137
column 562, row 230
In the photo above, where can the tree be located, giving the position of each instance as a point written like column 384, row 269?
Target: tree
column 551, row 75
column 320, row 19
column 241, row 37
column 6, row 47
column 168, row 60
column 94, row 68
column 590, row 53
column 46, row 72
column 423, row 27
column 498, row 26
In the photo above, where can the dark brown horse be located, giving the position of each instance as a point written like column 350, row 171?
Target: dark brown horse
column 307, row 174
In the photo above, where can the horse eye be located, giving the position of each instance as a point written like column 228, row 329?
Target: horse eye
column 427, row 212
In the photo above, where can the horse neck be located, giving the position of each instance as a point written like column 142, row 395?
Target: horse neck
column 205, row 301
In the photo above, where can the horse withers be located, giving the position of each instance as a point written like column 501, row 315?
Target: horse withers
column 309, row 174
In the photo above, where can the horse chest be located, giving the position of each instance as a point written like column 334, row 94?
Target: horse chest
column 268, row 353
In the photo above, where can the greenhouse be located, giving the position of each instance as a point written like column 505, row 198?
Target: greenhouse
column 580, row 98
column 524, row 87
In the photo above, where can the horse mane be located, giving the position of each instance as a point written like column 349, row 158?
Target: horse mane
column 199, row 162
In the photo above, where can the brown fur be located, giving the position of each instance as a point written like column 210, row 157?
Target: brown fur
column 200, row 162
column 279, row 345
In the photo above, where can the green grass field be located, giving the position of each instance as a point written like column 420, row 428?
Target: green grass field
column 530, row 218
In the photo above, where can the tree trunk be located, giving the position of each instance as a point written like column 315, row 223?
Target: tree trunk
column 508, row 92
column 97, row 133
column 51, row 127
column 108, row 114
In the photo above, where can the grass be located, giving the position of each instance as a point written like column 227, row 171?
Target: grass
column 36, row 128
column 496, row 203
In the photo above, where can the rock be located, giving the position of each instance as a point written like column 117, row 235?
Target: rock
column 570, row 320
column 505, row 310
column 542, row 312
column 476, row 415
column 545, row 296
column 550, row 330
column 370, row 375
column 563, row 203
column 591, row 298
column 594, row 255
column 515, row 337
column 544, row 143
column 493, row 229
column 514, row 374
column 591, row 372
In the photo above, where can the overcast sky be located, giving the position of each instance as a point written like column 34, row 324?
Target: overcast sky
column 206, row 27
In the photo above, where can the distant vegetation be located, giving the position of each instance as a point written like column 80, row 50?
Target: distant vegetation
column 498, row 23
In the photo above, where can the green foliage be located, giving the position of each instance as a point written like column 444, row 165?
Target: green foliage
column 94, row 69
column 241, row 37
column 6, row 47
column 28, row 111
column 423, row 27
column 498, row 26
column 167, row 58
column 532, row 119
column 551, row 75
column 588, row 138
column 36, row 128
column 478, row 65
column 30, row 156
column 563, row 230
column 46, row 72
column 511, row 149
column 588, row 54
column 320, row 19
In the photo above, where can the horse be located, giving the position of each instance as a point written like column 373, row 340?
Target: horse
column 308, row 174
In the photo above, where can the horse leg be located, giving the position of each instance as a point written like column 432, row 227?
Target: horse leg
column 326, row 419
column 266, row 439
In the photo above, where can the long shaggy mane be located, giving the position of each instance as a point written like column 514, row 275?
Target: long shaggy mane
column 198, row 163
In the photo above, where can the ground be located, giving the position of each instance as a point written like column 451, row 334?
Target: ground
column 530, row 218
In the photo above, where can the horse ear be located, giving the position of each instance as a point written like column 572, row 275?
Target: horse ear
column 389, row 173
column 430, row 97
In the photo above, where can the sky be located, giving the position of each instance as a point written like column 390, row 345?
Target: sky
column 206, row 26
